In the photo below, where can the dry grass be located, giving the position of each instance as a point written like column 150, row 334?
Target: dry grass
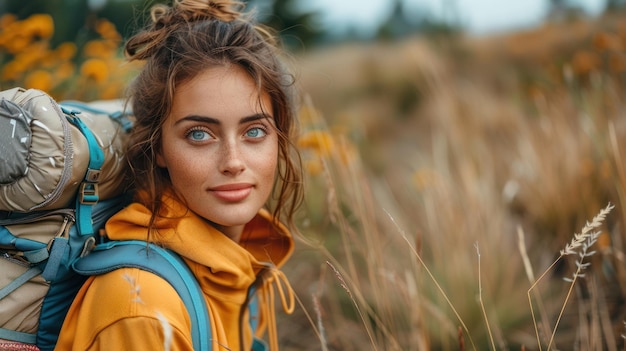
column 431, row 167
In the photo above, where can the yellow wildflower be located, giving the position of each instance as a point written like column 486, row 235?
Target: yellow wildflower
column 107, row 30
column 319, row 141
column 313, row 167
column 39, row 79
column 95, row 69
column 16, row 44
column 607, row 42
column 66, row 51
column 425, row 178
column 584, row 62
column 7, row 19
column 12, row 70
column 65, row 70
column 39, row 26
column 111, row 91
column 33, row 54
column 98, row 48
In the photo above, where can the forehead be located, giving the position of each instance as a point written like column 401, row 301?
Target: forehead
column 221, row 91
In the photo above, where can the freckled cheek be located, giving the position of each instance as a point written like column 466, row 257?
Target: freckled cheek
column 272, row 166
column 187, row 168
column 265, row 162
column 270, row 170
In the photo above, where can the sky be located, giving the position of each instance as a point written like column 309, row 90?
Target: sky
column 477, row 16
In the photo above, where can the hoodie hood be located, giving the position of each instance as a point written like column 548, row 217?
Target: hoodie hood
column 232, row 266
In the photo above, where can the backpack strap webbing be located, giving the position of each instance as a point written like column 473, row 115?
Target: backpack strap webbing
column 112, row 255
column 8, row 334
column 119, row 116
column 88, row 192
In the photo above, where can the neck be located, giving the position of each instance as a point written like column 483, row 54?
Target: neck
column 233, row 232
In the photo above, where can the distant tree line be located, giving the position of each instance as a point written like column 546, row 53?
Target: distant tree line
column 74, row 19
column 298, row 27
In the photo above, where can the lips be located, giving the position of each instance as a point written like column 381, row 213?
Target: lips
column 232, row 192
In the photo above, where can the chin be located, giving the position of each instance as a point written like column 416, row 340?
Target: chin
column 235, row 220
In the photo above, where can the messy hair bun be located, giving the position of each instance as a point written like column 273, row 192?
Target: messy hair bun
column 166, row 18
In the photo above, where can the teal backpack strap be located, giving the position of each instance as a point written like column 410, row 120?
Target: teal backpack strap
column 112, row 255
column 86, row 198
column 118, row 116
column 255, row 318
column 88, row 192
column 259, row 345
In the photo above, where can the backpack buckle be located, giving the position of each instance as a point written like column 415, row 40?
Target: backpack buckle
column 88, row 194
column 93, row 175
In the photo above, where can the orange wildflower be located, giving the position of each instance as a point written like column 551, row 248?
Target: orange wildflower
column 319, row 141
column 617, row 63
column 7, row 19
column 95, row 69
column 313, row 167
column 39, row 79
column 584, row 62
column 107, row 30
column 13, row 70
column 39, row 26
column 66, row 51
column 98, row 48
column 607, row 42
column 16, row 44
column 111, row 91
column 65, row 70
column 425, row 178
column 9, row 72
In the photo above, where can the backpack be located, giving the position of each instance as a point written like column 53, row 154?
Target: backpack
column 60, row 180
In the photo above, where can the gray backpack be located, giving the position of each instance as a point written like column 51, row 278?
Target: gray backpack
column 60, row 180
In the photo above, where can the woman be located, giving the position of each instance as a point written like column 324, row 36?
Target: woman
column 210, row 151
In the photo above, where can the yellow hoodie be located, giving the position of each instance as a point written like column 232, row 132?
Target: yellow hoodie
column 130, row 309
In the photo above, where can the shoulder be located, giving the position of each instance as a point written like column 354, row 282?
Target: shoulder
column 126, row 309
column 131, row 292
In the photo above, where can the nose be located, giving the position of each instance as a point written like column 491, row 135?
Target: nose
column 231, row 160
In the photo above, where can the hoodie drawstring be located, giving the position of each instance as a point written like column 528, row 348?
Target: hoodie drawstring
column 275, row 278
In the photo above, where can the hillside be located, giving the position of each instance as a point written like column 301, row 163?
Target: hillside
column 486, row 155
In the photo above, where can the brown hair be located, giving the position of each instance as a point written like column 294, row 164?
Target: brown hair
column 183, row 40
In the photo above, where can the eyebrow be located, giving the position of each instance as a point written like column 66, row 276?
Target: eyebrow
column 211, row 120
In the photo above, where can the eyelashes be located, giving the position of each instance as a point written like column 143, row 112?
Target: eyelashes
column 200, row 134
column 256, row 132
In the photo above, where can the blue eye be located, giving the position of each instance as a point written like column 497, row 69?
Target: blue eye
column 256, row 133
column 198, row 135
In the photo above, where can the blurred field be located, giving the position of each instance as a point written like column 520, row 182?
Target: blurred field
column 444, row 177
column 432, row 163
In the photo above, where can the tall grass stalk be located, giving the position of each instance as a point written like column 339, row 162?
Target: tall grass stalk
column 580, row 244
column 320, row 325
column 531, row 278
column 356, row 305
column 433, row 279
column 481, row 302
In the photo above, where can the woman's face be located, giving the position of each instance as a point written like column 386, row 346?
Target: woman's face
column 220, row 147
